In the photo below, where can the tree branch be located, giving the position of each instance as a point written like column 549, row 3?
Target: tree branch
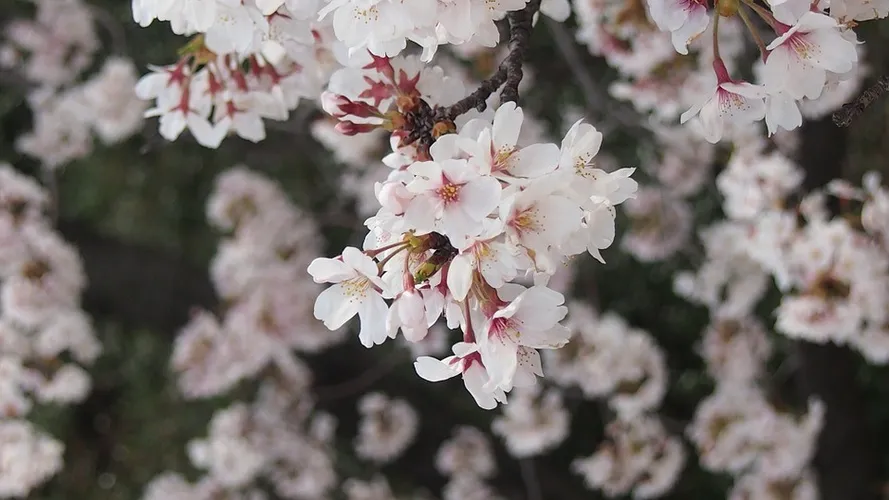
column 844, row 116
column 509, row 74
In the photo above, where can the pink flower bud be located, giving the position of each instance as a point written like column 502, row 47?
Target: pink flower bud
column 339, row 106
column 332, row 103
column 352, row 128
column 412, row 313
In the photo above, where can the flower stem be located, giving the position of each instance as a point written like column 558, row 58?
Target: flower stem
column 765, row 15
column 716, row 33
column 383, row 262
column 756, row 36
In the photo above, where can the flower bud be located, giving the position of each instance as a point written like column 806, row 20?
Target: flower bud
column 338, row 106
column 351, row 128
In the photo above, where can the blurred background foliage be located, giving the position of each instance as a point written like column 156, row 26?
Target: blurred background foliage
column 147, row 197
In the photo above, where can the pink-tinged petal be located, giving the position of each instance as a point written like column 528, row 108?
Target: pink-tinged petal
column 712, row 122
column 534, row 160
column 744, row 89
column 433, row 370
column 268, row 7
column 421, row 213
column 207, row 135
column 600, row 225
column 427, row 169
column 172, row 125
column 249, row 126
column 590, row 140
column 463, row 349
column 151, row 85
column 507, row 125
column 334, row 307
column 460, row 276
column 475, row 379
column 811, row 21
column 201, row 13
column 529, row 367
column 696, row 24
column 694, row 110
column 834, row 53
column 325, row 270
column 372, row 312
column 782, row 112
column 554, row 338
column 480, row 197
column 361, row 262
column 499, row 357
column 393, row 322
column 445, row 147
column 457, row 171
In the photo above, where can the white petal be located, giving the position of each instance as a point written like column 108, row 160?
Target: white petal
column 325, row 270
column 373, row 313
column 334, row 307
column 433, row 370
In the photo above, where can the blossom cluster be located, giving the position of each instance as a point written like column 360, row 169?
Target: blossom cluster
column 52, row 51
column 249, row 62
column 609, row 360
column 649, row 43
column 467, row 460
column 279, row 436
column 275, row 437
column 46, row 340
column 737, row 429
column 459, row 221
column 257, row 273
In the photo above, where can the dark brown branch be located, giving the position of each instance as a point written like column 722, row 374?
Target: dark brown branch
column 845, row 461
column 509, row 74
column 854, row 109
column 520, row 25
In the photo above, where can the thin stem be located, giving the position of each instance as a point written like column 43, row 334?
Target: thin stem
column 382, row 263
column 378, row 251
column 468, row 333
column 753, row 31
column 763, row 13
column 716, row 32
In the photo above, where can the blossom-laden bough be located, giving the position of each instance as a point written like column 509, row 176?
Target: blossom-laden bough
column 471, row 218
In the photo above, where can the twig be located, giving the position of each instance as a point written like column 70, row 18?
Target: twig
column 852, row 110
column 529, row 476
column 520, row 25
column 509, row 74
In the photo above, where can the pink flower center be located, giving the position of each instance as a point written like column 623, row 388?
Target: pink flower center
column 449, row 192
